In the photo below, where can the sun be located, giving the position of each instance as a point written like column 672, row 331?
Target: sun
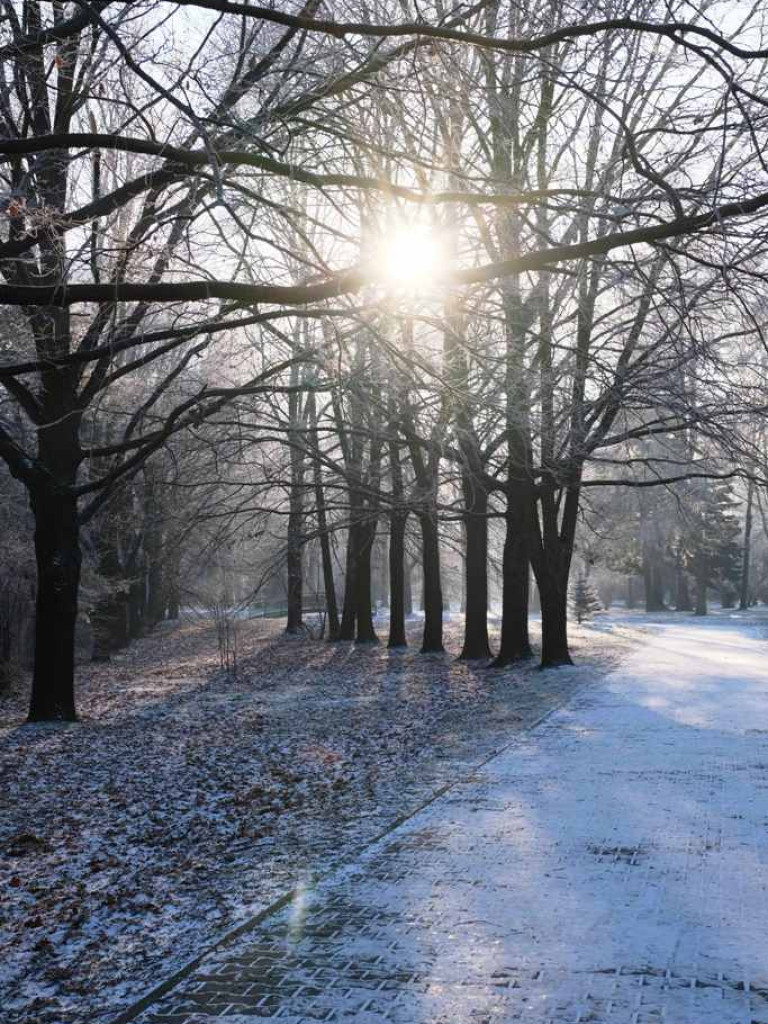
column 410, row 257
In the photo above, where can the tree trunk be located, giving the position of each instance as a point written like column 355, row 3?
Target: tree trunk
column 57, row 549
column 433, row 595
column 295, row 567
column 154, row 609
column 329, row 585
column 552, row 565
column 476, row 643
column 397, row 524
column 746, row 550
column 515, row 642
column 346, row 629
column 701, row 594
column 554, row 620
column 295, row 535
column 366, row 634
column 356, row 619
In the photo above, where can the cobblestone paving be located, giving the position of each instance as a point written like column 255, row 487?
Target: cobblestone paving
column 610, row 868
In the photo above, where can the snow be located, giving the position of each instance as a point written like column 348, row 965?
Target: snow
column 185, row 801
column 608, row 866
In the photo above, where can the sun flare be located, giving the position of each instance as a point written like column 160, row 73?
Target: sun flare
column 410, row 257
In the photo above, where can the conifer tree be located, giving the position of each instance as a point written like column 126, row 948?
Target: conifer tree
column 585, row 601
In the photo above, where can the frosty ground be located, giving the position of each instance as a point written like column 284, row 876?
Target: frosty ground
column 187, row 800
column 609, row 866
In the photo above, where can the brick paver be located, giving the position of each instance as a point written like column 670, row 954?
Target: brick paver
column 609, row 867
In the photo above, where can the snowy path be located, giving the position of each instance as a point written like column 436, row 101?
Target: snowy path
column 609, row 867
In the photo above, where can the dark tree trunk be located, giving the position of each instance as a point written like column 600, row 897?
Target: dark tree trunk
column 295, row 536
column 515, row 642
column 329, row 585
column 701, row 593
column 433, row 594
column 294, row 562
column 476, row 643
column 746, row 550
column 346, row 629
column 366, row 634
column 356, row 619
column 397, row 524
column 398, row 520
column 553, row 589
column 552, row 564
column 154, row 608
column 57, row 549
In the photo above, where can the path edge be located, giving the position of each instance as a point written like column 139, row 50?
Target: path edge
column 131, row 1012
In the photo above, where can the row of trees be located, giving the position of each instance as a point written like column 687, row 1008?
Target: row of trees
column 196, row 200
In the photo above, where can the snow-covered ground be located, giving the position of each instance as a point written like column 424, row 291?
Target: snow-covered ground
column 186, row 801
column 610, row 866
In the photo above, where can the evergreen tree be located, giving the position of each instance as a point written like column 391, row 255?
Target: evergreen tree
column 713, row 550
column 585, row 601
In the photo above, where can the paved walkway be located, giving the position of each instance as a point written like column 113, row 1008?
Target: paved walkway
column 609, row 867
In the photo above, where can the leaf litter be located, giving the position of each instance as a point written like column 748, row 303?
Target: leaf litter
column 185, row 801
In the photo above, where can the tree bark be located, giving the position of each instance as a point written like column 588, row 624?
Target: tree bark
column 476, row 643
column 346, row 629
column 329, row 585
column 552, row 556
column 746, row 550
column 515, row 642
column 57, row 548
column 356, row 619
column 397, row 524
column 154, row 609
column 701, row 594
column 553, row 588
column 295, row 535
column 295, row 566
column 432, row 641
column 366, row 634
